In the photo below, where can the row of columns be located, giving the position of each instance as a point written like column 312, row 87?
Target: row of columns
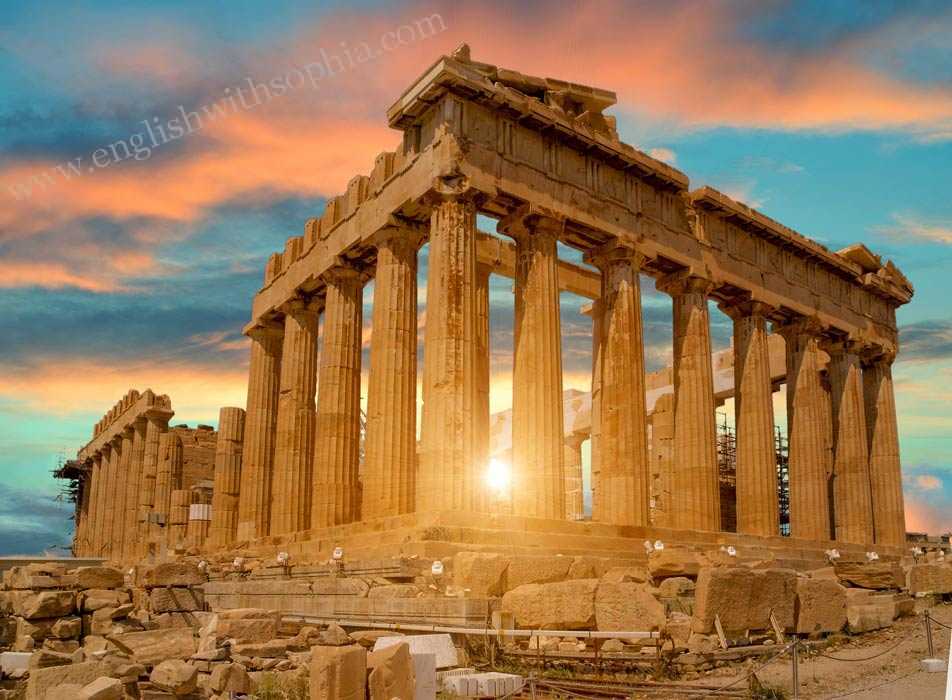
column 300, row 461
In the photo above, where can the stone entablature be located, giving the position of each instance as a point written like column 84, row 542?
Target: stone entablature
column 133, row 407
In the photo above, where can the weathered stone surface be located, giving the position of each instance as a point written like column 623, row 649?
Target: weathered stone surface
column 155, row 646
column 562, row 605
column 673, row 562
column 45, row 604
column 99, row 577
column 176, row 599
column 396, row 590
column 230, row 678
column 103, row 688
column 249, row 630
column 175, row 676
column 678, row 627
column 532, row 569
column 391, row 673
column 67, row 691
column 67, row 628
column 821, row 606
column 930, row 578
column 480, row 573
column 44, row 658
column 337, row 586
column 676, row 586
column 744, row 598
column 267, row 650
column 626, row 574
column 35, row 629
column 173, row 574
column 612, row 645
column 335, row 636
column 338, row 673
column 44, row 679
column 367, row 638
column 870, row 616
column 98, row 598
column 878, row 575
column 626, row 607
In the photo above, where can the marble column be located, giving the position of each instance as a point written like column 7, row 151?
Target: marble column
column 231, row 433
column 178, row 517
column 389, row 484
column 885, row 470
column 448, row 476
column 168, row 479
column 662, row 459
column 482, row 439
column 130, row 530
column 92, row 523
column 623, row 418
column 696, row 489
column 852, row 507
column 574, row 495
column 101, row 467
column 261, row 420
column 538, row 473
column 81, row 523
column 291, row 486
column 757, row 504
column 595, row 439
column 155, row 426
column 337, row 450
column 808, row 432
column 117, row 538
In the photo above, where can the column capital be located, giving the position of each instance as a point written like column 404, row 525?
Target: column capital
column 400, row 235
column 873, row 354
column 300, row 305
column 264, row 328
column 454, row 187
column 684, row 282
column 614, row 251
column 841, row 346
column 529, row 220
column 744, row 307
column 575, row 440
column 802, row 325
column 342, row 273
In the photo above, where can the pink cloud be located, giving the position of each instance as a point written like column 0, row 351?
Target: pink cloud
column 925, row 517
column 927, row 482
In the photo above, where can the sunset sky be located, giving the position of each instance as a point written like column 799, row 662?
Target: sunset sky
column 138, row 272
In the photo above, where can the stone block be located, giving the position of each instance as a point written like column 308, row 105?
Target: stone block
column 673, row 562
column 337, row 586
column 626, row 574
column 100, row 577
column 230, row 678
column 35, row 576
column 335, row 636
column 8, row 631
column 930, row 578
column 821, row 606
column 97, row 598
column 44, row 604
column 271, row 649
column 103, row 688
column 248, row 630
column 44, row 658
column 176, row 599
column 626, row 607
column 42, row 680
column 563, row 605
column 155, row 646
column 173, row 574
column 391, row 673
column 11, row 661
column 67, row 628
column 675, row 587
column 338, row 673
column 424, row 673
column 880, row 575
column 870, row 616
column 175, row 676
column 744, row 599
column 536, row 569
column 587, row 567
column 440, row 645
column 481, row 574
column 396, row 590
column 67, row 691
column 774, row 590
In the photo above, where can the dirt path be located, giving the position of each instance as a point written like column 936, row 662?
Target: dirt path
column 879, row 665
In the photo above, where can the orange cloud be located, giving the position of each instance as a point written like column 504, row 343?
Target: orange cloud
column 50, row 276
column 924, row 517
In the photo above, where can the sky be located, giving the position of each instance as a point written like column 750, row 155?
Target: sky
column 129, row 257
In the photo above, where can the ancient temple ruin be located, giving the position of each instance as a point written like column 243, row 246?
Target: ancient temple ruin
column 541, row 158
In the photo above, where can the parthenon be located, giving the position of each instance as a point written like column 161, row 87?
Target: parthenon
column 541, row 158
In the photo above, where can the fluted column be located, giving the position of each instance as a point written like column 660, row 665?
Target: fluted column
column 595, row 450
column 852, row 507
column 120, row 461
column 623, row 416
column 168, row 479
column 574, row 495
column 538, row 473
column 81, row 534
column 447, row 479
column 662, row 459
column 758, row 508
column 231, row 433
column 885, row 468
column 291, row 487
column 808, row 433
column 155, row 426
column 92, row 521
column 178, row 517
column 389, row 484
column 130, row 518
column 337, row 451
column 482, row 429
column 696, row 494
column 101, row 476
column 261, row 421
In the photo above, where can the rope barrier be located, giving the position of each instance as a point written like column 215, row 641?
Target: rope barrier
column 940, row 624
column 754, row 671
column 874, row 656
column 874, row 687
